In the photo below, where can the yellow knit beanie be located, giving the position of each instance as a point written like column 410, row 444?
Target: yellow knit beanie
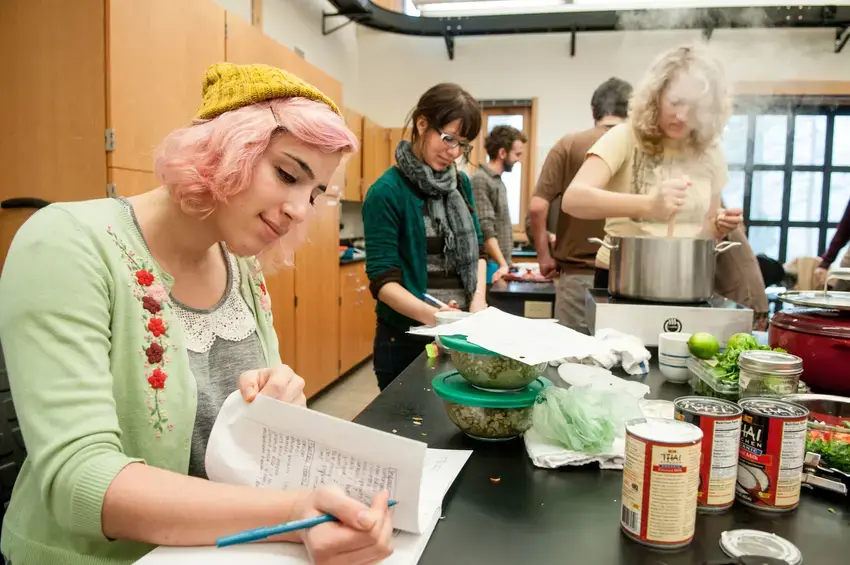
column 228, row 86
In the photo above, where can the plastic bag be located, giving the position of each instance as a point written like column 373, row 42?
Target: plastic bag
column 582, row 419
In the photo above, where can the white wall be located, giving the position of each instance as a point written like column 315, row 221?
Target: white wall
column 298, row 24
column 395, row 70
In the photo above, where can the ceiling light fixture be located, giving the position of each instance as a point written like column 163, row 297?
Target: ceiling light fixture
column 480, row 7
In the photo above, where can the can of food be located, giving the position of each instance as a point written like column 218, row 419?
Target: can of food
column 660, row 480
column 773, row 448
column 720, row 422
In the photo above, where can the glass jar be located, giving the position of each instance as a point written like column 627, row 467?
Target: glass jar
column 768, row 373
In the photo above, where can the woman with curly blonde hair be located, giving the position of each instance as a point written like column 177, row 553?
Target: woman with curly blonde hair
column 664, row 165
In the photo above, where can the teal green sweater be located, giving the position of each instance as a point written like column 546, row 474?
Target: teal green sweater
column 394, row 226
column 100, row 376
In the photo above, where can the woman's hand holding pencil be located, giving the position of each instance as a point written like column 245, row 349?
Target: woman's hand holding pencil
column 335, row 529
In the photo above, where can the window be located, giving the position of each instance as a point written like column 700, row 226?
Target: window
column 789, row 169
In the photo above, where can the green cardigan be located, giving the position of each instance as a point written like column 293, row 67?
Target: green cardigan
column 394, row 228
column 99, row 372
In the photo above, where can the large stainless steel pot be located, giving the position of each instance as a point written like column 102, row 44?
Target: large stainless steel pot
column 663, row 269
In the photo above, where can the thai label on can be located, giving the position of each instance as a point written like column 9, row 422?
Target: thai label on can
column 773, row 448
column 660, row 480
column 720, row 422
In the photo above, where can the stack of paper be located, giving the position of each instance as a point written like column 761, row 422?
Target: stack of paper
column 270, row 444
column 523, row 339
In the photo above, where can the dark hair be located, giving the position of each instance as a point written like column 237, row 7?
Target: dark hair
column 441, row 105
column 611, row 98
column 502, row 137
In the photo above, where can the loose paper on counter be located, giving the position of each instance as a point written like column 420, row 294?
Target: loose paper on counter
column 527, row 340
column 269, row 444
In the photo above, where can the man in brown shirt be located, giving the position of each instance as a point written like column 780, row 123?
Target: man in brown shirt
column 573, row 258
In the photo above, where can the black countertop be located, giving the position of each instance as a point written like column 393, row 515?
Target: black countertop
column 526, row 290
column 570, row 516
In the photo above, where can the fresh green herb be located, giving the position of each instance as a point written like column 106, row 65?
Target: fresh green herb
column 833, row 453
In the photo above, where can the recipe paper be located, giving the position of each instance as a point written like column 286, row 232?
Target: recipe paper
column 270, row 444
column 526, row 340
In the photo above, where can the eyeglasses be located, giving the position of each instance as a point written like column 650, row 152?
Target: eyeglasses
column 452, row 141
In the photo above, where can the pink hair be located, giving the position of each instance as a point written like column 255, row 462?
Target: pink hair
column 212, row 160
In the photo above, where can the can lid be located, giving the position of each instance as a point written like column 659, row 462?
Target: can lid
column 739, row 543
column 773, row 407
column 662, row 430
column 707, row 406
column 771, row 362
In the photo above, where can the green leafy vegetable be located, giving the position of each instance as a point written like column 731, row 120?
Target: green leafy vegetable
column 834, row 453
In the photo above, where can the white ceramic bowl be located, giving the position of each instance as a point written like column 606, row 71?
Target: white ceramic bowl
column 673, row 354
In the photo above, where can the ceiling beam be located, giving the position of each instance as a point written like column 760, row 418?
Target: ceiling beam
column 375, row 17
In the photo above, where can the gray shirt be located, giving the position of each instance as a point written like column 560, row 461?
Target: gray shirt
column 491, row 204
column 222, row 343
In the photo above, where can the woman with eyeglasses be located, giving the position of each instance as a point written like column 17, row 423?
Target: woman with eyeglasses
column 422, row 233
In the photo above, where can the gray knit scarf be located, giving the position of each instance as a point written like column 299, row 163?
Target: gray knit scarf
column 449, row 210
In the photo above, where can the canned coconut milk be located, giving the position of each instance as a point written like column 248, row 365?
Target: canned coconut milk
column 773, row 447
column 660, row 481
column 720, row 422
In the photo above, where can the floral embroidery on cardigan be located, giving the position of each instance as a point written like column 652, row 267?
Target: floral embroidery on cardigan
column 154, row 300
column 259, row 283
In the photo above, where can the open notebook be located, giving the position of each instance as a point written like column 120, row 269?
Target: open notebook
column 270, row 444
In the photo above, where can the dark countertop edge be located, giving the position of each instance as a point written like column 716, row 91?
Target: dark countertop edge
column 350, row 261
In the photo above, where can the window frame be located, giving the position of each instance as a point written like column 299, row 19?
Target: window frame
column 790, row 106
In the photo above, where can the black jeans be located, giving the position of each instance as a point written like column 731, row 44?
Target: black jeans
column 600, row 279
column 394, row 350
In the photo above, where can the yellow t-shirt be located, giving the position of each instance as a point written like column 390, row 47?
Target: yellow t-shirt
column 634, row 172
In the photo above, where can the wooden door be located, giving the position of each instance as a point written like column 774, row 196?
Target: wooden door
column 349, row 318
column 395, row 137
column 52, row 104
column 354, row 167
column 131, row 183
column 317, row 302
column 158, row 52
column 375, row 153
column 281, row 287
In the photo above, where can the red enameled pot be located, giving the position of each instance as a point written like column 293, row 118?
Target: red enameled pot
column 821, row 338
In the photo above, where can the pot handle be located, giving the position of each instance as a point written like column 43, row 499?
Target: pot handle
column 602, row 243
column 726, row 246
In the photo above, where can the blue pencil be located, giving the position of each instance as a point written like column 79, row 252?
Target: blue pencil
column 262, row 533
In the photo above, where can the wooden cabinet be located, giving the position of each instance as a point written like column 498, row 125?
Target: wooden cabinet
column 317, row 302
column 356, row 316
column 158, row 51
column 354, row 168
column 52, row 104
column 396, row 135
column 375, row 153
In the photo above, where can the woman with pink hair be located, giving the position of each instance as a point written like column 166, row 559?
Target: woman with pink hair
column 127, row 322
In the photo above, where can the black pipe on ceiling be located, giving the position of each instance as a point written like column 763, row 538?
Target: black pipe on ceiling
column 373, row 16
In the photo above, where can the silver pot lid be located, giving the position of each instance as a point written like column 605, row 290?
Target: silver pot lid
column 770, row 361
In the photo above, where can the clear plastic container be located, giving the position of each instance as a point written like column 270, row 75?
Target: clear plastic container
column 706, row 382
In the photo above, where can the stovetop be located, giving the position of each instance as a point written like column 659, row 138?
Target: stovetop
column 602, row 296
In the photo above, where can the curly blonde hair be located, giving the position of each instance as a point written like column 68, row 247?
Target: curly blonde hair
column 710, row 115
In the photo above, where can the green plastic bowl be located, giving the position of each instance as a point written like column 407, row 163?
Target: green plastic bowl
column 488, row 370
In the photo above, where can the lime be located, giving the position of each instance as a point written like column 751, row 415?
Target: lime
column 742, row 341
column 703, row 345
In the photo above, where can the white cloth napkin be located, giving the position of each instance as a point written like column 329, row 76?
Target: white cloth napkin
column 616, row 348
